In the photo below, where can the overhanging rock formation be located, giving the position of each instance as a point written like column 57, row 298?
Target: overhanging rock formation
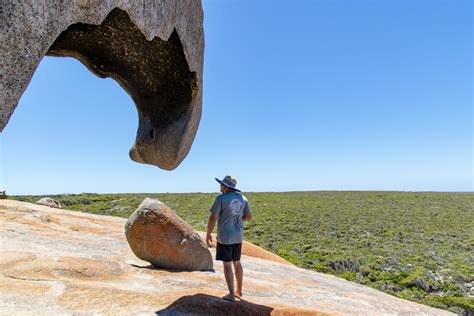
column 153, row 48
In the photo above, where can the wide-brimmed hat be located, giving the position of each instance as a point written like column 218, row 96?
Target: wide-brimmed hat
column 230, row 182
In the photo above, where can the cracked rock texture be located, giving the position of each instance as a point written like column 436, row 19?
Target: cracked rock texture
column 54, row 261
column 152, row 48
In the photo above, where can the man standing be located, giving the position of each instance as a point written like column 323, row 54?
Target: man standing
column 230, row 209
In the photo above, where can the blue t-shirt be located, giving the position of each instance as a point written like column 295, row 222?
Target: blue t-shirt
column 231, row 207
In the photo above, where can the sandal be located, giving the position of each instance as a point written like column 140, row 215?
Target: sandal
column 229, row 297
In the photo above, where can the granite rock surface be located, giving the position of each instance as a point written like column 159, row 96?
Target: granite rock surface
column 54, row 261
column 157, row 235
column 49, row 202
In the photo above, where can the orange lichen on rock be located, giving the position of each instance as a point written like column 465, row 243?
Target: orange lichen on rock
column 249, row 249
column 48, row 268
column 23, row 287
column 157, row 235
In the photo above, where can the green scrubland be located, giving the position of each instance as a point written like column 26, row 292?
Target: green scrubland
column 417, row 246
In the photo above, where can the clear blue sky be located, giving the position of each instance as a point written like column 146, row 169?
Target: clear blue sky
column 298, row 95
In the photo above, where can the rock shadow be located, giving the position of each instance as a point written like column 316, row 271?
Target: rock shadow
column 204, row 304
column 152, row 267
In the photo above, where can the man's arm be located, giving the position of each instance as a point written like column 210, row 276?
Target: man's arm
column 210, row 227
column 247, row 216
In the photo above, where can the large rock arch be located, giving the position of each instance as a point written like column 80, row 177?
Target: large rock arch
column 153, row 48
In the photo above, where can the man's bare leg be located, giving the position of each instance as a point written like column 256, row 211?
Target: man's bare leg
column 229, row 278
column 239, row 275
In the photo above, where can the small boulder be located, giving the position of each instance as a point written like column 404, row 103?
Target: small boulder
column 49, row 202
column 157, row 235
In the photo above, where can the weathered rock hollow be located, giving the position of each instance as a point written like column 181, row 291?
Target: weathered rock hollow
column 153, row 49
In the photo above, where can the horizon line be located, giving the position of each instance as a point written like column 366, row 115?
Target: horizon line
column 211, row 192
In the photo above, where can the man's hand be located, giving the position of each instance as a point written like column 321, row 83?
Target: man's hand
column 210, row 227
column 209, row 240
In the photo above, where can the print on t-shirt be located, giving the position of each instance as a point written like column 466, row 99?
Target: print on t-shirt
column 236, row 207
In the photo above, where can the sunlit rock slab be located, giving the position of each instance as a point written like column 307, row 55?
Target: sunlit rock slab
column 56, row 261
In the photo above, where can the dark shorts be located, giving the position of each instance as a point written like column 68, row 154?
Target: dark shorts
column 228, row 253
